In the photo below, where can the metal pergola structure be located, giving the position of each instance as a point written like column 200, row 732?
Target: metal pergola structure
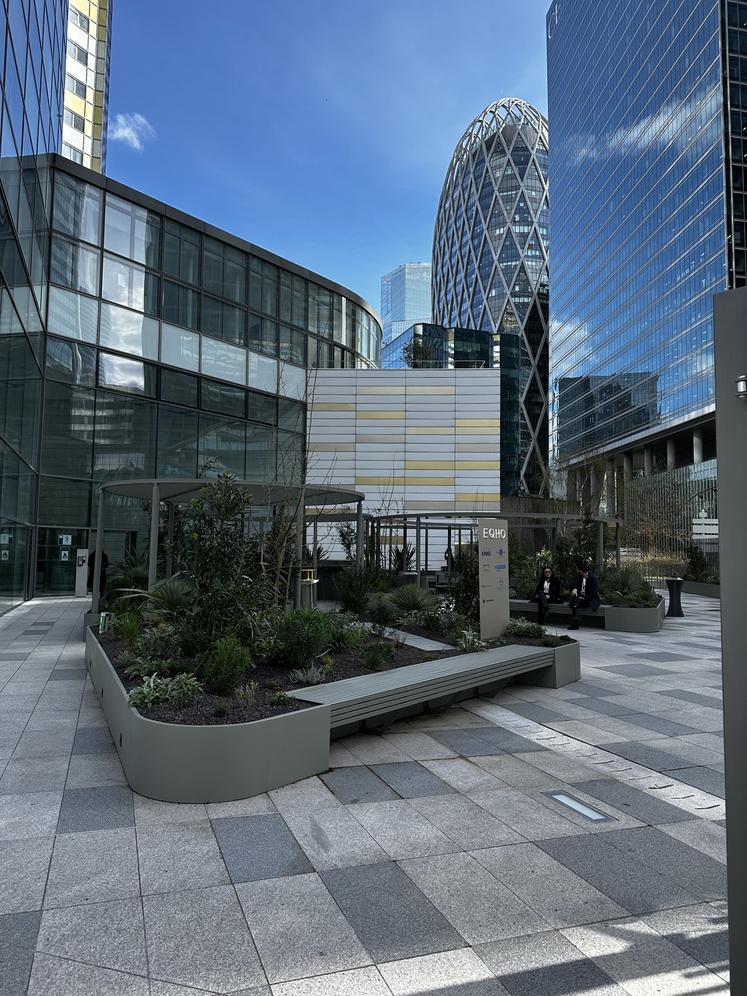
column 174, row 492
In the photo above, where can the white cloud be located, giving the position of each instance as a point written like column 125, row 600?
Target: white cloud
column 134, row 129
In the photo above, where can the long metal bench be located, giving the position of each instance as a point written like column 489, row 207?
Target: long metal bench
column 385, row 695
column 523, row 607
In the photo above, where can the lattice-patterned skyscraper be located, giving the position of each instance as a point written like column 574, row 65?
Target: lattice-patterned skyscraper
column 490, row 262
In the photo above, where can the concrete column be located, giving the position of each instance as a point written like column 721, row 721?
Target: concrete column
column 697, row 446
column 671, row 454
column 620, row 495
column 628, row 466
column 96, row 584
column 600, row 543
column 648, row 461
column 155, row 510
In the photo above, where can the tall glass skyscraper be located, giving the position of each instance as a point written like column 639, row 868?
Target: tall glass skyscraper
column 405, row 298
column 87, row 59
column 490, row 255
column 648, row 222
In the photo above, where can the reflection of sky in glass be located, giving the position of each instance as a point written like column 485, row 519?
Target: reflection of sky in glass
column 116, row 371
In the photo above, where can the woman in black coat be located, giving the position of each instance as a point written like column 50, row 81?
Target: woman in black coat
column 547, row 591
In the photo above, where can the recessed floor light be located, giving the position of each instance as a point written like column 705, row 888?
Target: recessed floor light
column 579, row 807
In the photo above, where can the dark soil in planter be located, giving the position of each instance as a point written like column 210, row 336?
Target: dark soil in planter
column 209, row 710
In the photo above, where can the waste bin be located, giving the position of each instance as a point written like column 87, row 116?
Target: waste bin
column 309, row 581
column 675, row 596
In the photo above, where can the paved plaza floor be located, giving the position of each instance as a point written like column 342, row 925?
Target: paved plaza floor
column 433, row 858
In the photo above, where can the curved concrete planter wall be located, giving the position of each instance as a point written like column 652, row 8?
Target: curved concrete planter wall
column 176, row 763
column 625, row 620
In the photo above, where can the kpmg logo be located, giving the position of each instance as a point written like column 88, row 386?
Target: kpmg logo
column 552, row 20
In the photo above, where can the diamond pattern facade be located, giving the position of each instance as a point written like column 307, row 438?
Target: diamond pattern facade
column 490, row 249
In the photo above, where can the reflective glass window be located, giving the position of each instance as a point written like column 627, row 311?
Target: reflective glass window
column 77, row 208
column 132, row 231
column 224, row 270
column 72, row 315
column 260, row 453
column 263, row 287
column 263, row 334
column 223, row 361
column 71, row 362
column 224, row 321
column 263, row 373
column 292, row 381
column 127, row 375
column 222, row 446
column 179, row 388
column 180, row 348
column 125, row 437
column 292, row 345
column 217, row 397
column 67, row 433
column 128, row 331
column 262, row 407
column 180, row 304
column 181, row 252
column 177, row 442
column 130, row 285
column 290, row 415
column 74, row 265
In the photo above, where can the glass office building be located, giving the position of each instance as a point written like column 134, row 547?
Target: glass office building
column 490, row 248
column 86, row 97
column 171, row 349
column 405, row 298
column 647, row 164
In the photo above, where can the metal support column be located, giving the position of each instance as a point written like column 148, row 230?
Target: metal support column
column 96, row 581
column 359, row 534
column 315, row 538
column 155, row 516
column 299, row 536
column 697, row 446
column 417, row 547
column 671, row 454
column 170, row 540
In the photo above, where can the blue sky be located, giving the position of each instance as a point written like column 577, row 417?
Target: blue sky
column 320, row 129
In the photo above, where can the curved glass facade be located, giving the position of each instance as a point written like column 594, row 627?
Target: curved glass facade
column 490, row 261
column 639, row 217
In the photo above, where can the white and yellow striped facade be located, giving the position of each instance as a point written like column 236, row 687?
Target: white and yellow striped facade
column 412, row 440
column 87, row 61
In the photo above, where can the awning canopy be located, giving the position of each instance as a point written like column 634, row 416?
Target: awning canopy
column 172, row 489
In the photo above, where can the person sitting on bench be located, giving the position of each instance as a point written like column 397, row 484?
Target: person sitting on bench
column 547, row 591
column 584, row 593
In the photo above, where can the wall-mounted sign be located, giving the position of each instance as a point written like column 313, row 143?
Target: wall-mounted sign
column 65, row 555
column 4, row 555
column 64, row 539
column 492, row 552
column 6, row 539
column 81, row 573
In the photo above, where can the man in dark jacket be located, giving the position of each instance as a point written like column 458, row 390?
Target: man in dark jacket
column 547, row 591
column 584, row 593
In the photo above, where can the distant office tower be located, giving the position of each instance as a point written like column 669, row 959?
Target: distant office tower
column 649, row 175
column 490, row 255
column 86, row 109
column 405, row 298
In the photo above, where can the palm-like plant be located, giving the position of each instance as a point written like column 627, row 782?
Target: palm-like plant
column 171, row 598
column 412, row 598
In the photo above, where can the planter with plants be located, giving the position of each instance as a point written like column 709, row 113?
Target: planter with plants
column 630, row 603
column 699, row 575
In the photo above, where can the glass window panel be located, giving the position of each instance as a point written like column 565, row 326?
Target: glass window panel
column 71, row 362
column 290, row 458
column 130, row 285
column 127, row 375
column 20, row 396
column 177, row 442
column 224, row 270
column 72, row 315
column 179, row 388
column 64, row 503
column 262, row 407
column 74, row 265
column 260, row 453
column 77, row 208
column 128, row 331
column 67, row 435
column 125, row 438
column 217, row 397
column 290, row 415
column 292, row 381
column 222, row 446
column 180, row 304
column 224, row 361
column 181, row 252
column 292, row 345
column 132, row 231
column 263, row 334
column 263, row 373
column 180, row 348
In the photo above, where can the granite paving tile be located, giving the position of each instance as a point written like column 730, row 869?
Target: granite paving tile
column 68, row 674
column 712, row 701
column 355, row 982
column 697, row 873
column 373, row 750
column 23, row 873
column 700, row 931
column 29, row 814
column 658, row 724
column 92, row 868
column 298, row 928
column 453, row 973
column 526, row 815
column 628, row 799
column 646, row 754
column 663, row 656
column 508, row 741
column 606, row 707
column 179, row 856
column 633, row 670
column 390, row 915
column 109, row 935
column 333, row 838
column 259, row 847
column 92, row 740
column 418, row 746
column 516, row 772
column 464, row 822
column 153, row 813
column 357, row 784
column 564, row 767
column 18, row 933
column 105, row 807
column 463, row 775
column 466, row 742
column 699, row 777
column 308, row 794
column 72, row 978
column 44, row 743
column 33, row 774
column 706, row 836
column 257, row 805
column 537, row 713
column 629, row 883
column 546, row 886
column 92, row 770
column 411, row 780
column 200, row 938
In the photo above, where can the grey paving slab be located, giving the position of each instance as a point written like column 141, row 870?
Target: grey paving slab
column 388, row 912
column 44, row 743
column 92, row 868
column 372, row 749
column 697, row 873
column 699, row 777
column 255, row 806
column 517, row 772
column 104, row 807
column 564, row 767
column 92, row 740
column 23, row 873
column 92, row 770
column 34, row 774
column 153, row 813
column 628, row 799
column 355, row 982
column 508, row 741
column 333, row 838
column 400, row 830
column 471, row 899
column 526, row 815
column 259, row 847
column 465, row 742
column 298, row 928
column 72, row 978
column 706, row 836
column 546, row 886
column 659, row 724
column 411, row 780
column 418, row 746
column 700, row 931
column 537, row 713
column 647, row 754
column 605, row 707
column 545, row 964
column 454, row 973
column 180, row 856
column 464, row 822
column 464, row 775
column 68, row 674
column 712, row 701
column 629, row 883
column 29, row 814
column 109, row 935
column 308, row 794
column 200, row 938
column 633, row 670
column 357, row 784
column 18, row 933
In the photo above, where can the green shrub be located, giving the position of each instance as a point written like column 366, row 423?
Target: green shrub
column 626, row 586
column 299, row 637
column 311, row 675
column 381, row 611
column 552, row 641
column 280, row 699
column 412, row 598
column 467, row 588
column 698, row 568
column 182, row 690
column 224, row 668
column 345, row 633
column 140, row 667
column 353, row 585
column 169, row 600
column 524, row 627
column 443, row 618
column 378, row 656
column 467, row 639
column 127, row 628
column 246, row 694
column 156, row 641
